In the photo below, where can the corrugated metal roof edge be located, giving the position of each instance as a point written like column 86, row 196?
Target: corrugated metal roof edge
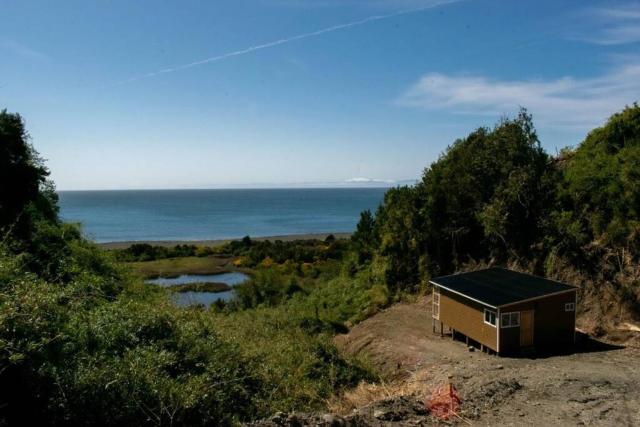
column 533, row 275
column 573, row 289
column 503, row 268
column 462, row 295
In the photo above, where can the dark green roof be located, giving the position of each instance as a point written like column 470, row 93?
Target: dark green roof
column 499, row 286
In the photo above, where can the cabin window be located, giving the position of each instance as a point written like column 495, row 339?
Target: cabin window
column 436, row 303
column 510, row 320
column 490, row 317
column 570, row 306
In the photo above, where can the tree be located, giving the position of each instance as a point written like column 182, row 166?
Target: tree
column 364, row 238
column 401, row 238
column 599, row 194
column 487, row 196
column 25, row 194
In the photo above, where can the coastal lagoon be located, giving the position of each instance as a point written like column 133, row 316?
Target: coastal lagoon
column 147, row 215
column 204, row 298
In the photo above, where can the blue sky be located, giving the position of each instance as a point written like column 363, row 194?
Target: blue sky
column 197, row 94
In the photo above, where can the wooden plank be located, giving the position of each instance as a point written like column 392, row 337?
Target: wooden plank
column 466, row 318
column 526, row 328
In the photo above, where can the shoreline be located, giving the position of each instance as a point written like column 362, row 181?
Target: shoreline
column 219, row 242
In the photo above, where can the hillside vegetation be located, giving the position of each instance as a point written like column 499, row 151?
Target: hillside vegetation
column 496, row 197
column 83, row 341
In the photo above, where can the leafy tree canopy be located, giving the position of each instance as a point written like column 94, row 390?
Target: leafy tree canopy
column 486, row 196
column 25, row 194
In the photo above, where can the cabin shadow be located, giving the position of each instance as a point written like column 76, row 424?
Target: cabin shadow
column 587, row 344
column 584, row 344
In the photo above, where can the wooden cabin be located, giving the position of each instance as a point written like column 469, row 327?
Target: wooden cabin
column 505, row 311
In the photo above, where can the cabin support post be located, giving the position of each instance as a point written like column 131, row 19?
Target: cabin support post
column 466, row 340
column 482, row 347
column 453, row 334
column 441, row 329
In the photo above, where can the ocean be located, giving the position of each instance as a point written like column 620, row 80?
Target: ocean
column 128, row 215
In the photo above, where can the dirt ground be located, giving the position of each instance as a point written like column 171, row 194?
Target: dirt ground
column 598, row 384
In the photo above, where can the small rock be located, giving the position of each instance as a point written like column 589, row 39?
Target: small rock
column 378, row 414
column 499, row 367
column 278, row 416
column 293, row 421
column 472, row 348
column 334, row 420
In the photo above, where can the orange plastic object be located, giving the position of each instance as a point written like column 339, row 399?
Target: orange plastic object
column 444, row 402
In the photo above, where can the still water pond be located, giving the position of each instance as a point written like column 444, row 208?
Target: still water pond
column 205, row 298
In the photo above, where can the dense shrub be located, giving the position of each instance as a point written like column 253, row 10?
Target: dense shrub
column 300, row 368
column 147, row 252
column 160, row 365
column 254, row 252
column 68, row 347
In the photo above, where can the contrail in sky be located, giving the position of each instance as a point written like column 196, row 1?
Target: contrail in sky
column 282, row 41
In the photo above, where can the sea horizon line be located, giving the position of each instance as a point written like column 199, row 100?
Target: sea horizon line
column 327, row 187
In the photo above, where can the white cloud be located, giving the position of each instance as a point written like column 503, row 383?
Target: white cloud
column 613, row 25
column 629, row 11
column 22, row 50
column 566, row 101
column 363, row 180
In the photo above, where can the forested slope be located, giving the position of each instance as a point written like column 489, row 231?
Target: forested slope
column 496, row 197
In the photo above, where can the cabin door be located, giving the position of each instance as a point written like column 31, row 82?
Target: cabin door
column 526, row 328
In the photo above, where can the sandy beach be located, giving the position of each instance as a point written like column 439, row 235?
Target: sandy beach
column 171, row 243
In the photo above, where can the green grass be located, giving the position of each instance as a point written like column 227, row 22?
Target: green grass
column 200, row 287
column 299, row 367
column 172, row 267
column 288, row 326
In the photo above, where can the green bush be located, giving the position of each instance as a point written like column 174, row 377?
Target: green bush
column 164, row 365
column 297, row 251
column 67, row 348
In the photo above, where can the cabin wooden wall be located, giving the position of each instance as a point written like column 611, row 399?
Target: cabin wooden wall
column 467, row 317
column 553, row 326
